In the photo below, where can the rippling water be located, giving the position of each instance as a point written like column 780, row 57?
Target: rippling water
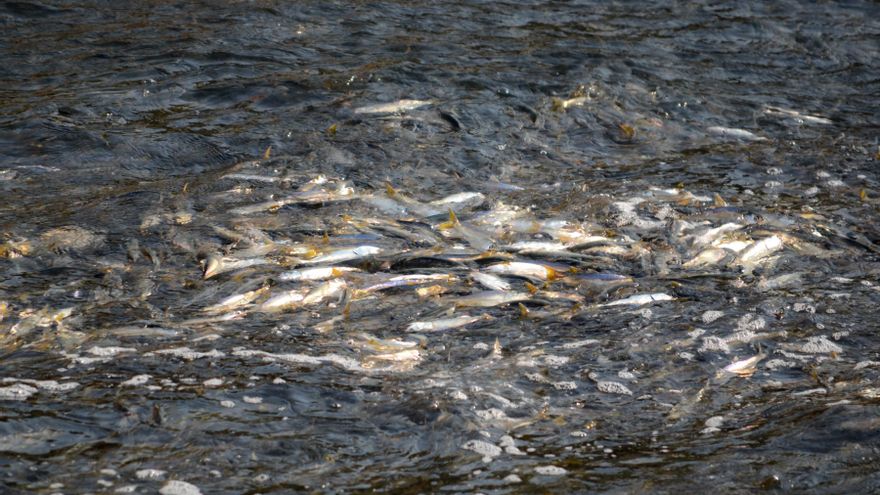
column 131, row 139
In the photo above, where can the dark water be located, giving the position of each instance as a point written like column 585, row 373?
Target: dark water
column 120, row 125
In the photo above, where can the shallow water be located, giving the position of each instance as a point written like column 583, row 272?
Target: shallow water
column 132, row 137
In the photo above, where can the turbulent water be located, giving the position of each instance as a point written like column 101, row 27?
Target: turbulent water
column 663, row 275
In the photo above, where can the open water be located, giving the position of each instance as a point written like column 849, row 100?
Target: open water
column 136, row 138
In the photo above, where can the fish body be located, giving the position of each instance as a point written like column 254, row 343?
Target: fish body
column 406, row 281
column 489, row 298
column 328, row 290
column 707, row 257
column 490, row 281
column 531, row 271
column 759, row 251
column 216, row 265
column 445, row 323
column 640, row 299
column 745, row 367
column 235, row 301
column 398, row 106
column 538, row 247
column 346, row 254
column 460, row 200
column 282, row 301
column 316, row 273
column 731, row 132
column 477, row 239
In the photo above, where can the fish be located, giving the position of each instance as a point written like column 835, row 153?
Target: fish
column 707, row 257
column 745, row 367
column 235, row 301
column 490, row 281
column 731, row 132
column 529, row 270
column 801, row 117
column 315, row 274
column 325, row 291
column 489, row 298
column 640, row 299
column 758, row 252
column 460, row 200
column 537, row 247
column 710, row 236
column 477, row 239
column 399, row 106
column 284, row 300
column 317, row 196
column 215, row 265
column 406, row 281
column 346, row 254
column 445, row 323
column 410, row 205
column 559, row 104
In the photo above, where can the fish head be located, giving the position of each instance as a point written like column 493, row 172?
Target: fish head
column 211, row 266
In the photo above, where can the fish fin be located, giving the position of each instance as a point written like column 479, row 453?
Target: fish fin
column 453, row 218
column 531, row 288
column 451, row 223
column 523, row 311
column 389, row 189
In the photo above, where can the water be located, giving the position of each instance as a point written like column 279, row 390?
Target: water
column 121, row 125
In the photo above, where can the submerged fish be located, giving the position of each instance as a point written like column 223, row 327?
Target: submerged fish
column 290, row 298
column 735, row 133
column 346, row 254
column 235, row 301
column 445, row 323
column 477, row 239
column 490, row 281
column 327, row 290
column 398, row 106
column 640, row 299
column 489, row 298
column 215, row 265
column 758, row 252
column 529, row 270
column 316, row 273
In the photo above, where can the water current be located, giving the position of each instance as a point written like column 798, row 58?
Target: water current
column 425, row 247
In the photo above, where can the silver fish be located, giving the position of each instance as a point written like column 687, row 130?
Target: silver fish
column 445, row 323
column 346, row 254
column 640, row 299
column 399, row 106
column 489, row 298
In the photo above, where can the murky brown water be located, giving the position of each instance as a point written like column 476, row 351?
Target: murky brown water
column 720, row 157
